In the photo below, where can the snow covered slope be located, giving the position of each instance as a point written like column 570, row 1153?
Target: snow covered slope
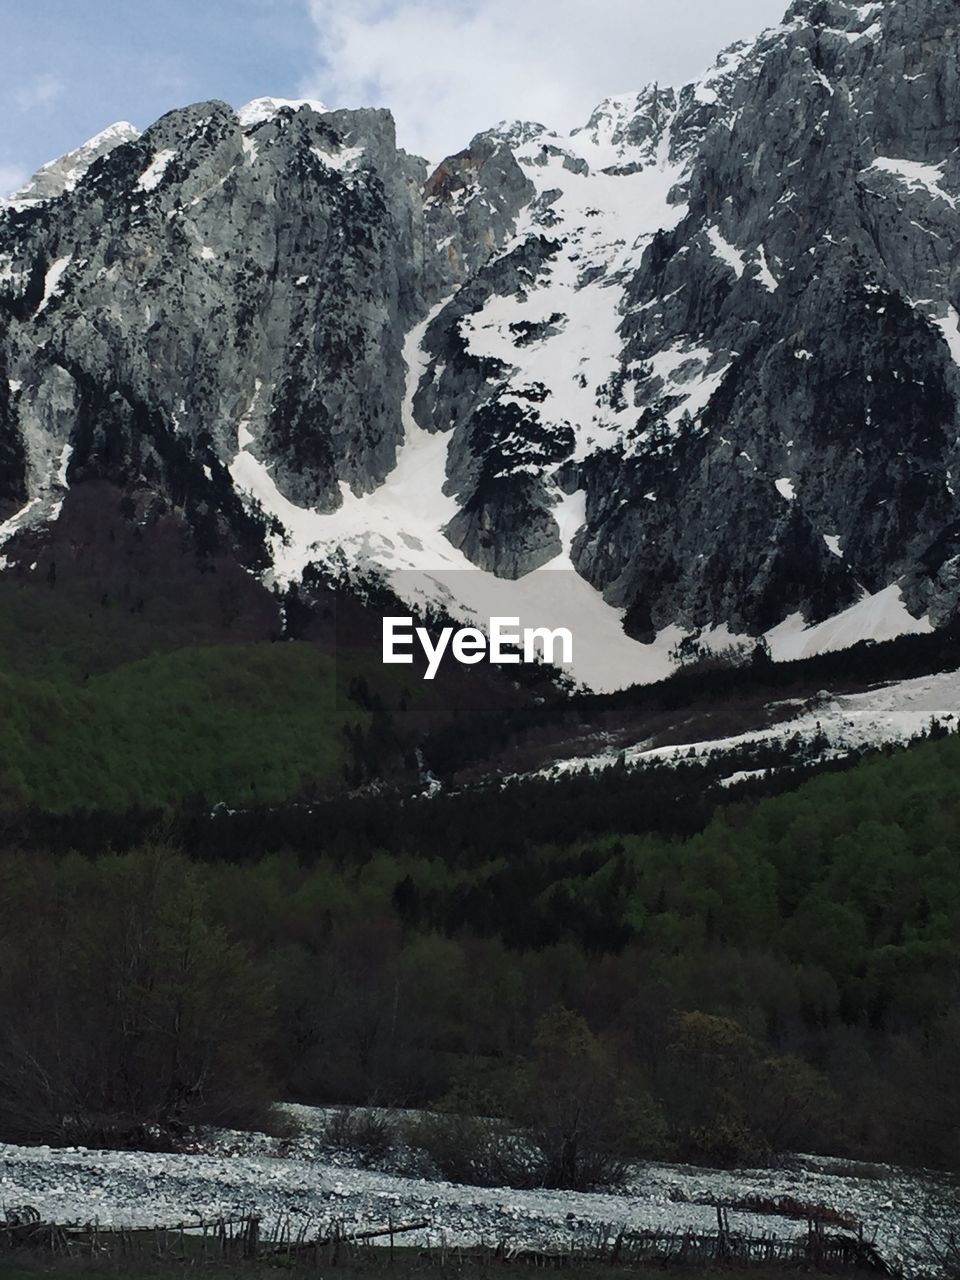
column 895, row 713
column 602, row 419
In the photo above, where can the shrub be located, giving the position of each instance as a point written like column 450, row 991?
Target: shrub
column 581, row 1120
column 568, row 1122
column 473, row 1150
column 368, row 1132
column 734, row 1105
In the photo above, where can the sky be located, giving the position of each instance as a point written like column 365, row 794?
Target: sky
column 446, row 68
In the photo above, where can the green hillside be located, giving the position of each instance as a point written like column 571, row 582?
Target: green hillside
column 251, row 723
column 785, row 979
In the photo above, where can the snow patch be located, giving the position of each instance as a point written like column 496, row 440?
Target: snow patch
column 44, row 506
column 914, row 174
column 824, row 81
column 892, row 713
column 682, row 373
column 20, row 519
column 262, row 109
column 114, row 135
column 244, row 434
column 59, row 176
column 152, row 176
column 727, row 252
column 882, row 616
column 51, row 281
column 949, row 326
column 609, row 218
column 65, row 456
column 346, row 159
column 766, row 276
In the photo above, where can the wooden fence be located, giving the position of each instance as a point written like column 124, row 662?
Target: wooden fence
column 242, row 1238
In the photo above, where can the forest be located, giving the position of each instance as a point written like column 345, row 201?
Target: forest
column 119, row 707
column 765, row 973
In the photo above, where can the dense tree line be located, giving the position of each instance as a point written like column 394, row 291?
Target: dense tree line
column 126, row 1007
column 673, row 799
column 786, row 976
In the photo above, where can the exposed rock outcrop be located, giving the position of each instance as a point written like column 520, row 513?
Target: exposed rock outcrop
column 725, row 316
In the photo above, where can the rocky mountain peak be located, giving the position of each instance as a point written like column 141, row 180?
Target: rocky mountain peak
column 63, row 174
column 702, row 351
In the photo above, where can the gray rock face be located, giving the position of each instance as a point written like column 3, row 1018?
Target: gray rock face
column 13, row 479
column 499, row 447
column 778, row 430
column 207, row 274
column 721, row 320
column 471, row 202
column 161, row 294
column 818, row 262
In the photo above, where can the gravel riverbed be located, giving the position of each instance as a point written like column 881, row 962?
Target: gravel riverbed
column 301, row 1179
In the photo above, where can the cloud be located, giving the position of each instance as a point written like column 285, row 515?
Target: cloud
column 449, row 68
column 42, row 91
column 12, row 179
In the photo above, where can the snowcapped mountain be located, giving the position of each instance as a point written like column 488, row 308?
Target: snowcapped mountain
column 62, row 175
column 699, row 355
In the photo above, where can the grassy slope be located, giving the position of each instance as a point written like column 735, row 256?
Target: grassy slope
column 251, row 722
column 73, row 633
column 107, row 706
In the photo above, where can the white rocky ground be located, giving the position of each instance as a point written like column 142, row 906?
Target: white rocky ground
column 304, row 1181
